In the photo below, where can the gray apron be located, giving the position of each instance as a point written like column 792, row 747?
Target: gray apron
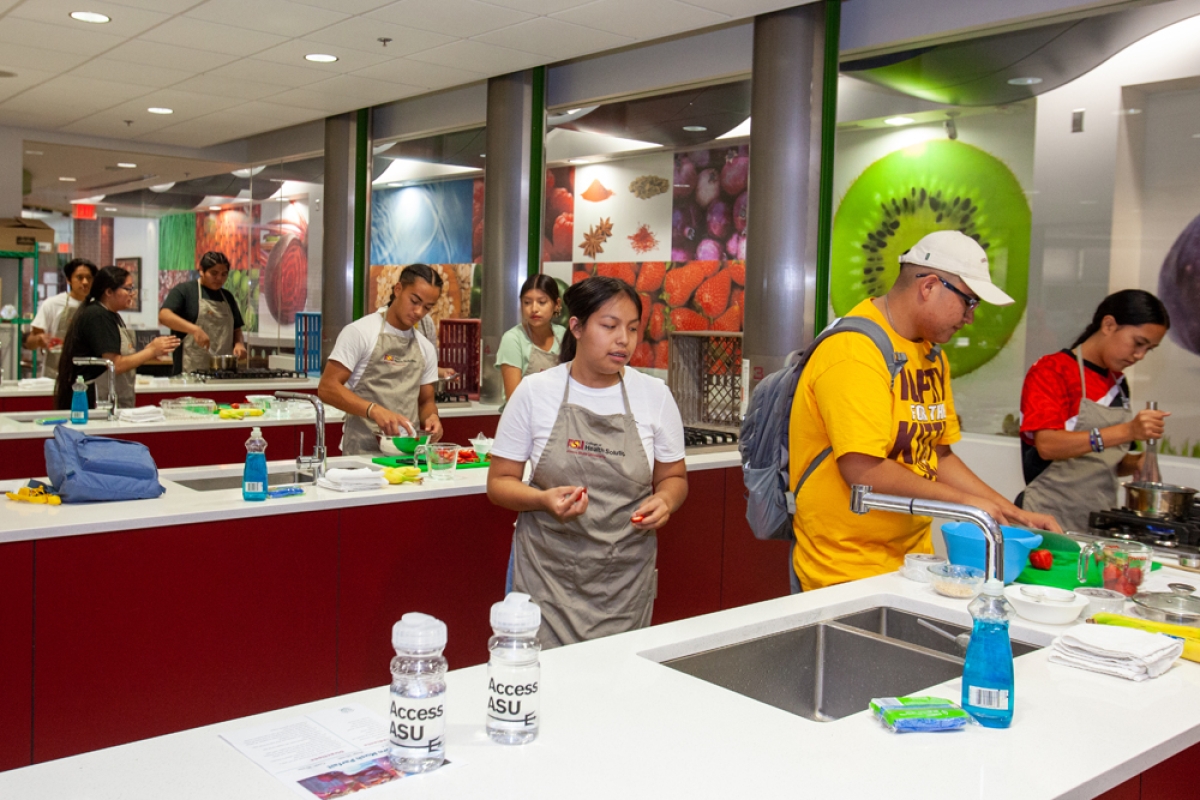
column 592, row 576
column 392, row 379
column 1072, row 488
column 215, row 319
column 60, row 332
column 539, row 360
column 126, row 381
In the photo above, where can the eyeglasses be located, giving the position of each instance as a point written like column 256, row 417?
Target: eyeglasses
column 972, row 302
column 130, row 289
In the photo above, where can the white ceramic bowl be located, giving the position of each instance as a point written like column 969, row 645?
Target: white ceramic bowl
column 482, row 446
column 1041, row 603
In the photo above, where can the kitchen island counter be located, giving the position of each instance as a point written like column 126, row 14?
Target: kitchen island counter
column 616, row 723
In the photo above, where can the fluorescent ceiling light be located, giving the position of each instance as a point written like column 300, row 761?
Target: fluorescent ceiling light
column 1030, row 81
column 110, row 208
column 160, row 110
column 93, row 17
column 579, row 161
column 68, row 180
column 162, row 187
column 321, row 58
column 574, row 110
column 249, row 171
column 408, row 169
column 214, row 208
column 738, row 132
column 126, row 165
column 695, row 128
column 34, row 153
column 899, row 121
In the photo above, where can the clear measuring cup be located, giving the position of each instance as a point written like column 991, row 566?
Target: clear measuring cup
column 442, row 458
column 1123, row 565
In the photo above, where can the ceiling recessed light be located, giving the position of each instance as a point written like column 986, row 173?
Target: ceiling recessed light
column 574, row 110
column 483, row 155
column 110, row 208
column 68, row 180
column 93, row 17
column 214, row 208
column 126, row 165
column 160, row 110
column 248, row 172
column 899, row 121
column 162, row 187
column 321, row 58
column 578, row 161
column 34, row 153
column 694, row 128
column 1029, row 81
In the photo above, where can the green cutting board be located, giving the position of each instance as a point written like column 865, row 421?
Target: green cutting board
column 1064, row 573
column 406, row 461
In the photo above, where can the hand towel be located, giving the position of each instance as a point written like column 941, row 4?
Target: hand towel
column 1124, row 652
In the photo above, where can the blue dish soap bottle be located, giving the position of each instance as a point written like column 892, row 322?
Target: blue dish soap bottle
column 79, row 402
column 987, row 682
column 254, row 475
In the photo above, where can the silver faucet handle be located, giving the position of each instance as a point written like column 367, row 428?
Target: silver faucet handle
column 858, row 494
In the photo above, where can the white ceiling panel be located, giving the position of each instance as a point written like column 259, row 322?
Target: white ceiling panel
column 554, row 38
column 293, row 52
column 641, row 20
column 125, row 21
column 743, row 8
column 108, row 69
column 42, row 117
column 347, row 6
column 188, row 32
column 184, row 104
column 450, row 17
column 83, row 94
column 16, row 58
column 166, row 6
column 479, row 57
column 156, row 54
column 363, row 34
column 539, row 6
column 418, row 73
column 272, row 16
column 270, row 72
column 224, row 87
column 345, row 93
column 22, row 81
column 30, row 33
column 111, row 124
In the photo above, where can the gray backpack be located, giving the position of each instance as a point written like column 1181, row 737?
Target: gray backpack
column 763, row 444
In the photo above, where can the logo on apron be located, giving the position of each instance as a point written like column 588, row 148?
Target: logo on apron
column 575, row 444
column 579, row 447
column 391, row 359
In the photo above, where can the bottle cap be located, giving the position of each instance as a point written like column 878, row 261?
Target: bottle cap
column 994, row 588
column 416, row 631
column 516, row 613
column 79, row 380
column 256, row 432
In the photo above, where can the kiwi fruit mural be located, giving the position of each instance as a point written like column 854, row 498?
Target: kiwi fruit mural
column 1179, row 287
column 936, row 185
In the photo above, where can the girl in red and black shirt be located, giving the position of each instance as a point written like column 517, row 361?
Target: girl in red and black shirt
column 1075, row 444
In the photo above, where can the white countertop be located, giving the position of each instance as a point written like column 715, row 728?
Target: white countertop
column 180, row 505
column 10, row 389
column 618, row 724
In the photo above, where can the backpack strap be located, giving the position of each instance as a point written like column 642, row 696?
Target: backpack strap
column 892, row 360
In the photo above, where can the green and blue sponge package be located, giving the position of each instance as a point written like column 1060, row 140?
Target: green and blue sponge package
column 908, row 714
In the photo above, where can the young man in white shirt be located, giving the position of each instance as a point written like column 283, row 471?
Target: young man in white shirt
column 53, row 317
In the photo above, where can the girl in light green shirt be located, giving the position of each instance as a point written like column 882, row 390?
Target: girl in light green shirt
column 533, row 345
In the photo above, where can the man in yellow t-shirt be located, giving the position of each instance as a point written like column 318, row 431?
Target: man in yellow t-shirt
column 893, row 437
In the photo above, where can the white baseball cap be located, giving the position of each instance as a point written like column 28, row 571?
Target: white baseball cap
column 958, row 254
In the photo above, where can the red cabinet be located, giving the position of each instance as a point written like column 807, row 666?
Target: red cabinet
column 753, row 570
column 16, row 654
column 689, row 551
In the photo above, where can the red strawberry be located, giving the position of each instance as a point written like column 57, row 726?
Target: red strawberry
column 737, row 298
column 684, row 319
column 618, row 269
column 680, row 282
column 737, row 271
column 731, row 320
column 579, row 275
column 643, row 355
column 560, row 202
column 713, row 294
column 564, row 232
column 650, row 279
column 647, row 306
column 549, row 180
column 658, row 321
column 709, row 268
column 660, row 356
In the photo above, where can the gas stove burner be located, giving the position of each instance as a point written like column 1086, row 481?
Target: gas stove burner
column 257, row 374
column 706, row 437
column 1121, row 523
column 451, row 397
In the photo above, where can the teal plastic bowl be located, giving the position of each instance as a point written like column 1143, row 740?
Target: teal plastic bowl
column 964, row 545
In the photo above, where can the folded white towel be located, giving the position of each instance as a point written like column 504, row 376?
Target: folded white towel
column 141, row 414
column 351, row 475
column 1124, row 652
column 35, row 383
column 352, row 486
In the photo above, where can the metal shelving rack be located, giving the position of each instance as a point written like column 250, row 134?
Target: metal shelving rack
column 19, row 256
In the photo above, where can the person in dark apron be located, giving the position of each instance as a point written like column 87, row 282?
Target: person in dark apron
column 217, row 327
column 533, row 346
column 585, row 542
column 382, row 371
column 97, row 331
column 1072, row 465
column 48, row 336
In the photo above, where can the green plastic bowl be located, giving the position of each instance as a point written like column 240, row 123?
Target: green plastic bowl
column 409, row 444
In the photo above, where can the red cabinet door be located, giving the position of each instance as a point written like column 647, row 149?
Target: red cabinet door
column 754, row 570
column 16, row 654
column 689, row 551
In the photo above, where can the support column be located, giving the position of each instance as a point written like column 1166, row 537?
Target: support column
column 338, row 252
column 505, row 216
column 785, row 169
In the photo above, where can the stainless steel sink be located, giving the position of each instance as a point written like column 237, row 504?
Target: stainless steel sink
column 830, row 670
column 235, row 481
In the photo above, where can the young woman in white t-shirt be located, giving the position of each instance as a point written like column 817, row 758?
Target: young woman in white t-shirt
column 606, row 445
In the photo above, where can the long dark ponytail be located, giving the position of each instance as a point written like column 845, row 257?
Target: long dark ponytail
column 585, row 298
column 106, row 278
column 1127, row 307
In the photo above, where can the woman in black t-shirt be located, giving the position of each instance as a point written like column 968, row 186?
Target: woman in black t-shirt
column 97, row 331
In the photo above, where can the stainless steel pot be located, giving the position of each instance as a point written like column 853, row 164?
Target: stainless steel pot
column 223, row 363
column 1178, row 606
column 1160, row 500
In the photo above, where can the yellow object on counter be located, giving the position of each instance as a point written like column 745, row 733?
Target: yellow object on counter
column 395, row 475
column 1189, row 635
column 239, row 413
column 38, row 495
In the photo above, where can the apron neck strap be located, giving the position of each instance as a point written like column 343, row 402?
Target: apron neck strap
column 620, row 381
column 1082, row 379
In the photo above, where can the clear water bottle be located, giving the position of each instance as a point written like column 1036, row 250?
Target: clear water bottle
column 79, row 402
column 254, row 474
column 987, row 683
column 514, row 672
column 417, row 720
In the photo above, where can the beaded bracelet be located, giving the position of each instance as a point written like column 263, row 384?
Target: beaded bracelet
column 1097, row 441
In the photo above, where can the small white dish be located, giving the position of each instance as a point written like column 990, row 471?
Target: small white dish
column 1049, row 606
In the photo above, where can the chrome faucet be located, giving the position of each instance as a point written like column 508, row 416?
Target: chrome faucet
column 112, row 381
column 862, row 500
column 316, row 461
